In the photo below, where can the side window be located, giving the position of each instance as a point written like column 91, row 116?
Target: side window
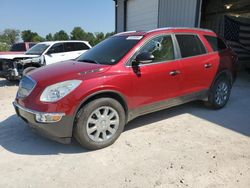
column 190, row 45
column 216, row 43
column 32, row 44
column 18, row 47
column 69, row 46
column 161, row 47
column 57, row 48
column 81, row 46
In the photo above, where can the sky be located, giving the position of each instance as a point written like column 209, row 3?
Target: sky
column 50, row 16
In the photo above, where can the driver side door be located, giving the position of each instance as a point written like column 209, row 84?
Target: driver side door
column 155, row 82
column 55, row 54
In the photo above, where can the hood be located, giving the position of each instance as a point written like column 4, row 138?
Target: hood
column 66, row 70
column 14, row 56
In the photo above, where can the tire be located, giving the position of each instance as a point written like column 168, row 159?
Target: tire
column 219, row 93
column 27, row 70
column 94, row 129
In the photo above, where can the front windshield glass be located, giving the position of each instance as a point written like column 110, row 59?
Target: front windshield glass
column 110, row 51
column 38, row 49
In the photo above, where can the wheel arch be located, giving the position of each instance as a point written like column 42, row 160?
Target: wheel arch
column 101, row 94
column 224, row 73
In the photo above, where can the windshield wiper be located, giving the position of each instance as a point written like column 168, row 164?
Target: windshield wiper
column 89, row 61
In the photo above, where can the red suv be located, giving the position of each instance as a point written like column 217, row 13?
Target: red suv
column 123, row 77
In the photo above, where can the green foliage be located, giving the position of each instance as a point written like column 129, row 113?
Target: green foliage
column 9, row 36
column 29, row 36
column 4, row 47
column 49, row 37
column 61, row 35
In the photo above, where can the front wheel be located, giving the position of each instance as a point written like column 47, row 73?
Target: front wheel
column 219, row 93
column 99, row 123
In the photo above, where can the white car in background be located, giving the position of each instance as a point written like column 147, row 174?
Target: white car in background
column 13, row 66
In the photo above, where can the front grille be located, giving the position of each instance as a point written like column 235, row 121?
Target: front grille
column 26, row 85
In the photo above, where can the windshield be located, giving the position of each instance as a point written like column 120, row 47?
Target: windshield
column 110, row 51
column 37, row 49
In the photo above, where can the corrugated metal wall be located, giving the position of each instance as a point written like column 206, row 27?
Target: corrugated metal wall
column 120, row 16
column 142, row 14
column 178, row 13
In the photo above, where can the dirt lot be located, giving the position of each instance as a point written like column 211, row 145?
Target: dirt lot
column 185, row 146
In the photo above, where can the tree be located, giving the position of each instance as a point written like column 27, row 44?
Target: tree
column 61, row 35
column 49, row 37
column 10, row 36
column 29, row 36
column 78, row 34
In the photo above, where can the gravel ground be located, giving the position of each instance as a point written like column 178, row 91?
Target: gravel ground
column 185, row 146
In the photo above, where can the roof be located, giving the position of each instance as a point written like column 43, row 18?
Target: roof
column 54, row 42
column 170, row 29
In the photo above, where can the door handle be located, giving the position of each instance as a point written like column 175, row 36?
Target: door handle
column 174, row 72
column 208, row 65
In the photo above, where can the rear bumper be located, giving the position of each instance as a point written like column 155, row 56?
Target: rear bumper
column 60, row 131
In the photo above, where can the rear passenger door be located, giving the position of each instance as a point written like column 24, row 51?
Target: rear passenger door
column 74, row 49
column 195, row 64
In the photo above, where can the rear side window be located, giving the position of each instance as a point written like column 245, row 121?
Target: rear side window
column 190, row 45
column 81, row 46
column 216, row 43
column 18, row 47
column 69, row 46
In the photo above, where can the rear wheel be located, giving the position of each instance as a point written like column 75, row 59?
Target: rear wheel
column 219, row 93
column 99, row 123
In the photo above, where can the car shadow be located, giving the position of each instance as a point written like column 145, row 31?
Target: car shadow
column 4, row 82
column 17, row 137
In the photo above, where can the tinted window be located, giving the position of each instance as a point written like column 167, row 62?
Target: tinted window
column 18, row 47
column 37, row 49
column 111, row 50
column 81, row 46
column 57, row 48
column 190, row 45
column 161, row 47
column 69, row 46
column 216, row 43
column 31, row 44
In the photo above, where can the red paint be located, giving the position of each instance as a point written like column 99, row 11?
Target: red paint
column 153, row 85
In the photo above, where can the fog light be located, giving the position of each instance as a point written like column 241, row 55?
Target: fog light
column 49, row 118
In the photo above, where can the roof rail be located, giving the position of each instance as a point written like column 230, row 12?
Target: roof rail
column 169, row 28
column 126, row 32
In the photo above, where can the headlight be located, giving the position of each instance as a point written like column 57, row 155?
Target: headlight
column 57, row 91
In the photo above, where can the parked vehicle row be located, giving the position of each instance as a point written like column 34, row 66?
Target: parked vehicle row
column 123, row 77
column 19, row 48
column 14, row 66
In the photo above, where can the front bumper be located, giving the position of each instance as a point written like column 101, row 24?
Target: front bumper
column 60, row 131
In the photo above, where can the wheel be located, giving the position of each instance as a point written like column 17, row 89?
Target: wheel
column 99, row 123
column 219, row 93
column 27, row 70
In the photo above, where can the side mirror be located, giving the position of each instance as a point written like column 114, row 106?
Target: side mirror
column 144, row 58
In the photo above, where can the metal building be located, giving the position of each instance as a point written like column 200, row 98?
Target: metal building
column 228, row 18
